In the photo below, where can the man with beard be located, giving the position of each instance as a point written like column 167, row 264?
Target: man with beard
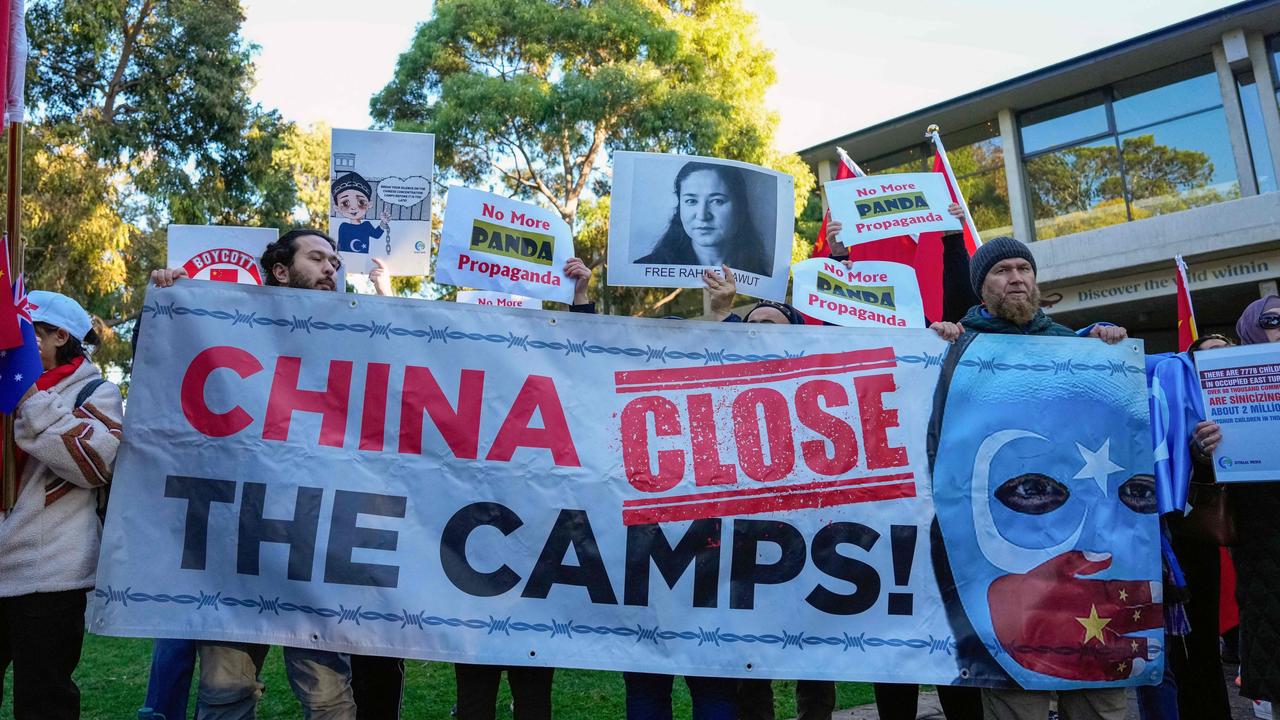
column 1003, row 274
column 322, row 681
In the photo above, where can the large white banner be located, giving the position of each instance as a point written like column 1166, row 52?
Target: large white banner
column 488, row 485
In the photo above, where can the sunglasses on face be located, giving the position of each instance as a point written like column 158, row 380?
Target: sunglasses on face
column 1269, row 322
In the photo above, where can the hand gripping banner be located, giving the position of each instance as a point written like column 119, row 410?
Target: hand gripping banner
column 463, row 483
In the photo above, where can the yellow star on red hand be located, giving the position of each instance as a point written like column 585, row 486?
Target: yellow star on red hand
column 1093, row 625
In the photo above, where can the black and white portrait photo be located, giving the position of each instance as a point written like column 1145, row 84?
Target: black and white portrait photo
column 672, row 216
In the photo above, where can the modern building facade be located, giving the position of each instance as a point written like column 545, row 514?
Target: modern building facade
column 1113, row 162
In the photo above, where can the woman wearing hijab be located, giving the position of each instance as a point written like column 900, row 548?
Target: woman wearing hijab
column 1257, row 552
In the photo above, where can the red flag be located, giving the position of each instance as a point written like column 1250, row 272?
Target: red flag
column 925, row 255
column 1187, row 332
column 820, row 246
column 10, row 330
column 940, row 167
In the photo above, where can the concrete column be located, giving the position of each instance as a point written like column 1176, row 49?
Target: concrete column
column 1024, row 227
column 1267, row 287
column 1235, row 123
column 824, row 174
column 1264, row 83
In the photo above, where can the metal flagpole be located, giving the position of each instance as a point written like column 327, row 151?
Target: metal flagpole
column 932, row 134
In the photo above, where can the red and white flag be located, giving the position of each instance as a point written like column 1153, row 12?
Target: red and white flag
column 10, row 330
column 1187, row 332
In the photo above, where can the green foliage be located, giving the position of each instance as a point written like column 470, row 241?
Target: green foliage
column 536, row 93
column 112, row 676
column 140, row 117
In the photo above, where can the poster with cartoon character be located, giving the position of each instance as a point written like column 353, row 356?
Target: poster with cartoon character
column 380, row 188
column 1043, row 485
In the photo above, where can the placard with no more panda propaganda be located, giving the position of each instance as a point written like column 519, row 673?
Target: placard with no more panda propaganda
column 867, row 294
column 490, row 242
column 489, row 298
column 875, row 207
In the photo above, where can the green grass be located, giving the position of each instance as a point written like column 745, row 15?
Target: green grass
column 113, row 682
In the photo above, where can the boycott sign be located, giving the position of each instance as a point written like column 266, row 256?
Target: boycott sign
column 496, row 243
column 224, row 253
column 497, row 299
column 875, row 207
column 219, row 253
column 1241, row 391
column 869, row 294
column 485, row 485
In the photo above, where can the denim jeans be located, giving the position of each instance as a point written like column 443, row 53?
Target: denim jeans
column 1160, row 702
column 173, row 662
column 649, row 697
column 230, row 685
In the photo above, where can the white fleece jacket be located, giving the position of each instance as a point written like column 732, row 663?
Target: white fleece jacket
column 49, row 541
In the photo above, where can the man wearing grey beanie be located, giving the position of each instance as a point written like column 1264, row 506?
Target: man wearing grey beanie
column 1003, row 275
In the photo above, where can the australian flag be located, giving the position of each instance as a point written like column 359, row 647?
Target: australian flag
column 20, row 366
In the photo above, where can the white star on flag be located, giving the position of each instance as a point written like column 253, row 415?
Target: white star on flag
column 1097, row 465
column 17, row 378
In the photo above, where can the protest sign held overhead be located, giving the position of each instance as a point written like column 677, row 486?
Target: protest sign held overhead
column 875, row 207
column 490, row 242
column 674, row 216
column 497, row 299
column 380, row 193
column 1241, row 391
column 533, row 488
column 870, row 294
column 225, row 253
column 218, row 252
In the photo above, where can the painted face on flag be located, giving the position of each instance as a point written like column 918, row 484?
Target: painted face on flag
column 1045, row 497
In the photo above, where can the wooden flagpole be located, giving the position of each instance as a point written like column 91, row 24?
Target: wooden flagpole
column 13, row 230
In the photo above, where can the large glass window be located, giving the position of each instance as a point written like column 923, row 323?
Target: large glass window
column 1150, row 145
column 907, row 160
column 977, row 158
column 1255, row 130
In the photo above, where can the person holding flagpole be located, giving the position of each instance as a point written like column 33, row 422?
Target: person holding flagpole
column 67, row 428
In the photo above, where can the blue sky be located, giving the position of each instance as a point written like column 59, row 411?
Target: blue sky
column 841, row 64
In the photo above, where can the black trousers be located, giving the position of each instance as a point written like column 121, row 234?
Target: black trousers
column 898, row 701
column 478, row 691
column 377, row 686
column 1196, row 660
column 41, row 634
column 815, row 700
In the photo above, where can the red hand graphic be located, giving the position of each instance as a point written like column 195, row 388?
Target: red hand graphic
column 1054, row 622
